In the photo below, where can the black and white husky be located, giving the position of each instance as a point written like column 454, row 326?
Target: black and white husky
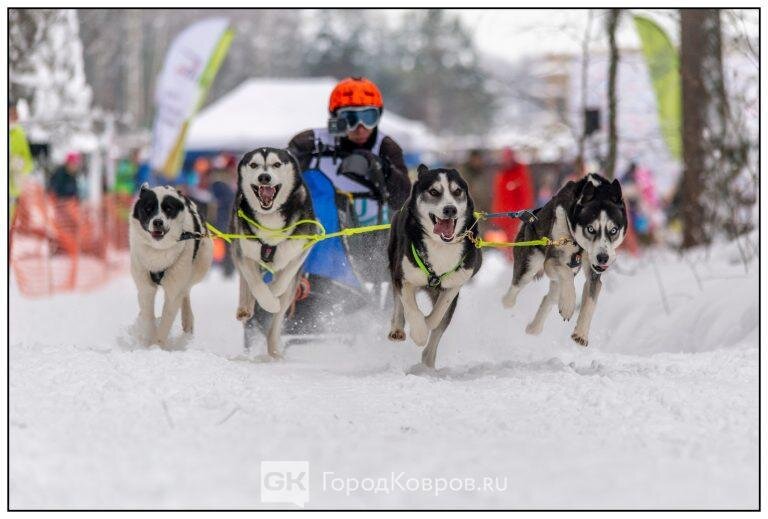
column 271, row 193
column 170, row 249
column 589, row 214
column 429, row 250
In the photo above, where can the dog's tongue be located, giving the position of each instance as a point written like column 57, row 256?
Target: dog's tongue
column 444, row 227
column 266, row 193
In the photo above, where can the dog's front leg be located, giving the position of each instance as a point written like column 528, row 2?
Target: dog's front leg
column 592, row 286
column 147, row 326
column 397, row 327
column 260, row 290
column 187, row 317
column 171, row 305
column 429, row 355
column 286, row 277
column 416, row 321
column 567, row 297
column 441, row 305
column 276, row 326
column 245, row 302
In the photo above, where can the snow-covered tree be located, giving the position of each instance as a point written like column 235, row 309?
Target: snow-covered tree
column 46, row 69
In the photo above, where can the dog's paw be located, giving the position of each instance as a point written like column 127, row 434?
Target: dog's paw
column 145, row 332
column 269, row 303
column 509, row 299
column 396, row 335
column 534, row 328
column 419, row 332
column 579, row 339
column 276, row 355
column 566, row 307
column 244, row 314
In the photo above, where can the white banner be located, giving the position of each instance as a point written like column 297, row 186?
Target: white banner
column 179, row 88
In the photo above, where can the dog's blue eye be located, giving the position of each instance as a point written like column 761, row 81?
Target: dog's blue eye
column 590, row 229
column 434, row 192
column 614, row 231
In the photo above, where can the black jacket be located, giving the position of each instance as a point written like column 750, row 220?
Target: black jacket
column 398, row 183
column 62, row 184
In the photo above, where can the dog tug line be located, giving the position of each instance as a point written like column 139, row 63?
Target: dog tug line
column 524, row 215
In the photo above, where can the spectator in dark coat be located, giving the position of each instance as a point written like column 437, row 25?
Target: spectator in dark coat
column 63, row 183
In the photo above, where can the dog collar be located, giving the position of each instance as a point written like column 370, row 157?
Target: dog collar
column 267, row 251
column 433, row 280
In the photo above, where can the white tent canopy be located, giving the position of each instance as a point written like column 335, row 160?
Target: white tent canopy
column 268, row 112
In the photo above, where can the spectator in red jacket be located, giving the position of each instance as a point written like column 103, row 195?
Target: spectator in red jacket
column 512, row 191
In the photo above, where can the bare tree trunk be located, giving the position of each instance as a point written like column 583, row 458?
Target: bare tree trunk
column 613, row 22
column 704, row 118
column 134, row 102
column 584, row 72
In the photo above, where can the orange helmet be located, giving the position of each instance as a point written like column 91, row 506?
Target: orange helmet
column 355, row 91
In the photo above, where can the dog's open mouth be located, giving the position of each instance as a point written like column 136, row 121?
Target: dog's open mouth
column 266, row 195
column 599, row 269
column 157, row 234
column 446, row 228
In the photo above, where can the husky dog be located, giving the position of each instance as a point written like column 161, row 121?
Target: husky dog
column 428, row 249
column 271, row 193
column 169, row 248
column 589, row 214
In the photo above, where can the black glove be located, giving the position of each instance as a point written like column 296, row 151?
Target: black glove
column 367, row 168
column 374, row 161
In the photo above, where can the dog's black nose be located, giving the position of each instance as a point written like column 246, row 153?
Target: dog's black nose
column 602, row 258
column 264, row 178
column 157, row 223
column 450, row 211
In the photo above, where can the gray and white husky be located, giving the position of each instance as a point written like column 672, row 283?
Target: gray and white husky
column 169, row 249
column 590, row 214
column 271, row 193
column 428, row 250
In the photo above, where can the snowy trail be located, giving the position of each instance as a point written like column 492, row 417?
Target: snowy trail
column 660, row 411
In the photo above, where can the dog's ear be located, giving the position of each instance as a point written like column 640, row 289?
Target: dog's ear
column 587, row 192
column 616, row 190
column 421, row 169
column 243, row 161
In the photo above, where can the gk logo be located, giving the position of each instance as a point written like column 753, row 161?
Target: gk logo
column 285, row 482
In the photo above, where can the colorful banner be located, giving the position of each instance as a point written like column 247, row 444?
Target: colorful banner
column 664, row 68
column 188, row 72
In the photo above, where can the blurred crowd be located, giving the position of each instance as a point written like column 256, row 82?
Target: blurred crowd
column 499, row 180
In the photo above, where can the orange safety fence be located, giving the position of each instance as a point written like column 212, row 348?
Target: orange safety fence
column 65, row 245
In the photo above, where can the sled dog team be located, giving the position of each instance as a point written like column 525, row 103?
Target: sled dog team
column 429, row 249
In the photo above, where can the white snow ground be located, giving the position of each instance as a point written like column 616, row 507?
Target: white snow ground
column 661, row 411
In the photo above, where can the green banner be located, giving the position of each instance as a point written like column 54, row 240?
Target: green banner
column 664, row 68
